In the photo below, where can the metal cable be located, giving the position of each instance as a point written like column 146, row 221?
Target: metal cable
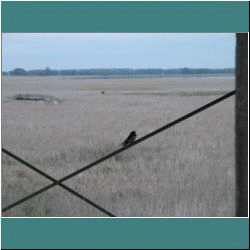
column 59, row 182
column 55, row 182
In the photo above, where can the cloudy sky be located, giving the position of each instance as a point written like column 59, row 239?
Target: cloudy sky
column 117, row 50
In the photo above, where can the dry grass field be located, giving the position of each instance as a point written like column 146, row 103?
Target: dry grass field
column 185, row 171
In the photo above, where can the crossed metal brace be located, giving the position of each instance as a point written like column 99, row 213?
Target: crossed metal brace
column 59, row 182
column 55, row 182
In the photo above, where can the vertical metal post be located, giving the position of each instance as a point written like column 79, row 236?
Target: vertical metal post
column 242, row 125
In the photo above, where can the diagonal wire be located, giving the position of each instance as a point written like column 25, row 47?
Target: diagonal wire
column 55, row 182
column 206, row 106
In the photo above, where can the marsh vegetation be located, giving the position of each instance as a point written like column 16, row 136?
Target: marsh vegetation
column 187, row 170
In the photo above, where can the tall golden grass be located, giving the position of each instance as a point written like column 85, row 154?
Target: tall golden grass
column 185, row 171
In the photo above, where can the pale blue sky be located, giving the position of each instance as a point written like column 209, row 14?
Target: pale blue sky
column 117, row 50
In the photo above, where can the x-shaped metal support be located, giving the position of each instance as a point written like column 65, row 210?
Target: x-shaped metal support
column 59, row 182
column 55, row 182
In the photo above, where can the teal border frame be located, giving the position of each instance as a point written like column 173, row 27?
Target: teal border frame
column 127, row 233
column 102, row 233
column 112, row 16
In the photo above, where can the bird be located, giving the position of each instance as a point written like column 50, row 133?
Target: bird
column 130, row 139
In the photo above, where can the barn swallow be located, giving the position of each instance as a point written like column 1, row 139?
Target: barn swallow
column 130, row 139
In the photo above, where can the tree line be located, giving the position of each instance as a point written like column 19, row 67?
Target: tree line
column 116, row 72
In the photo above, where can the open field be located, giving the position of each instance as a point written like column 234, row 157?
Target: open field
column 187, row 170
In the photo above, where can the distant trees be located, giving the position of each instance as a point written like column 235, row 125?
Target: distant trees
column 186, row 71
column 43, row 72
column 18, row 72
column 119, row 72
column 68, row 72
column 36, row 72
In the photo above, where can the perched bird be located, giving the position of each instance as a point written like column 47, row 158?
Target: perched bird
column 130, row 139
